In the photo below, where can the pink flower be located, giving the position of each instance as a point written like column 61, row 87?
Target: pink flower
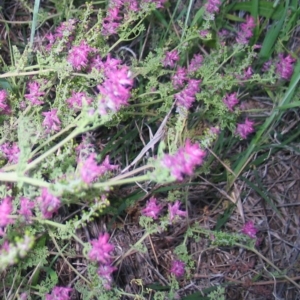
column 250, row 230
column 79, row 55
column 184, row 161
column 10, row 152
column 171, row 57
column 111, row 23
column 59, row 293
column 246, row 29
column 90, row 170
column 26, row 207
column 114, row 92
column 179, row 78
column 187, row 96
column 177, row 268
column 244, row 129
column 51, row 121
column 230, row 101
column 105, row 272
column 285, row 66
column 35, row 94
column 78, row 99
column 212, row 6
column 6, row 209
column 4, row 107
column 49, row 204
column 152, row 209
column 195, row 63
column 101, row 250
column 106, row 166
column 175, row 211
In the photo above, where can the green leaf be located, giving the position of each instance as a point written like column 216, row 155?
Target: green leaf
column 264, row 8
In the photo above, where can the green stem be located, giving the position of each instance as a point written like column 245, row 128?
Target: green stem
column 53, row 149
column 14, row 177
column 120, row 182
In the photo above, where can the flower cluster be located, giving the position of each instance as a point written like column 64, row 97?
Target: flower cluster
column 230, row 100
column 51, row 121
column 170, row 59
column 187, row 96
column 79, row 55
column 4, row 107
column 177, row 268
column 35, row 94
column 285, row 66
column 245, row 32
column 152, row 209
column 101, row 253
column 90, row 170
column 244, row 129
column 114, row 92
column 184, row 161
column 250, row 230
column 195, row 63
column 11, row 152
column 48, row 203
column 59, row 293
column 78, row 99
column 5, row 212
column 26, row 207
column 65, row 30
column 212, row 6
column 174, row 211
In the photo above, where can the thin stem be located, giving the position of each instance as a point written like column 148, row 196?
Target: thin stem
column 268, row 262
column 120, row 182
column 53, row 149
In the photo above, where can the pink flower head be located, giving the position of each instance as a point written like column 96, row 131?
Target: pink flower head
column 90, row 170
column 26, row 207
column 187, row 96
column 195, row 63
column 11, row 152
column 101, row 250
column 48, row 203
column 171, row 57
column 78, row 99
column 179, row 78
column 111, row 23
column 231, row 100
column 114, row 92
column 6, row 209
column 79, row 55
column 59, row 293
column 184, row 161
column 35, row 94
column 245, row 32
column 244, row 129
column 105, row 272
column 51, row 121
column 285, row 67
column 152, row 209
column 212, row 6
column 175, row 211
column 177, row 268
column 106, row 166
column 4, row 107
column 250, row 230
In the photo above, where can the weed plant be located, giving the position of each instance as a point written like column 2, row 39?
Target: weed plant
column 135, row 95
